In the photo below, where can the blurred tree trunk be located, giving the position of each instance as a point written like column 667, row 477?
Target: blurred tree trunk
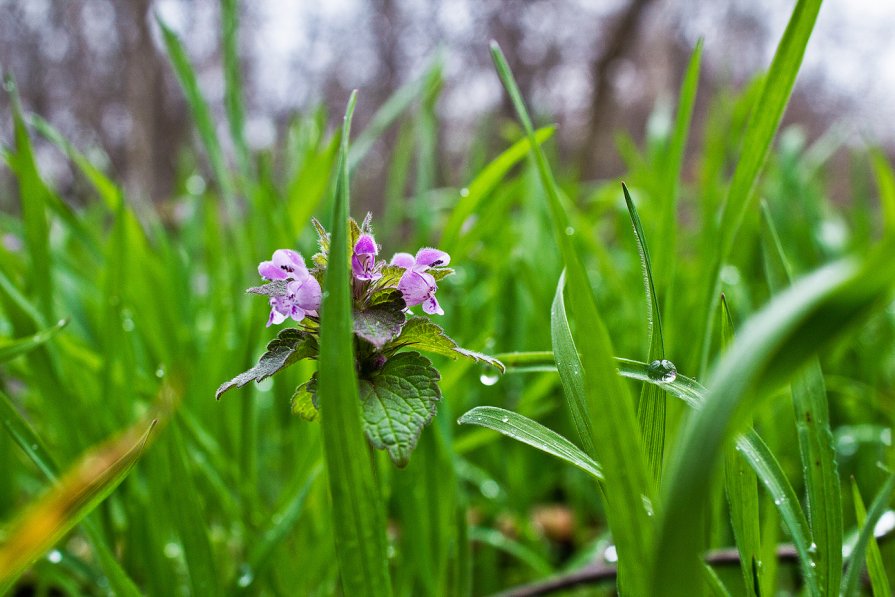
column 621, row 39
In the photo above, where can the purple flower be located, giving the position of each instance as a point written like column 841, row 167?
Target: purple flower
column 416, row 284
column 363, row 260
column 302, row 291
column 285, row 265
column 302, row 298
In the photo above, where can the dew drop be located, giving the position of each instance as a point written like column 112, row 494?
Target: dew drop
column 245, row 579
column 490, row 489
column 488, row 379
column 505, row 419
column 172, row 550
column 127, row 324
column 611, row 554
column 662, row 370
column 464, row 192
column 812, row 563
column 160, row 372
column 812, row 548
column 55, row 556
column 569, row 231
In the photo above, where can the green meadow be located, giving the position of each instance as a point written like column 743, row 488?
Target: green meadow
column 680, row 382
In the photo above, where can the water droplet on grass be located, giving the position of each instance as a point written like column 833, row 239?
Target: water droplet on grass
column 464, row 192
column 569, row 231
column 662, row 370
column 55, row 556
column 490, row 489
column 812, row 548
column 505, row 419
column 160, row 372
column 488, row 379
column 245, row 579
column 611, row 554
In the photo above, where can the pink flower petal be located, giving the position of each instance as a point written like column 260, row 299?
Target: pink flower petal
column 404, row 260
column 307, row 293
column 431, row 257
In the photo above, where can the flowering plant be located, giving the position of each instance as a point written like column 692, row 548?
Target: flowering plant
column 398, row 385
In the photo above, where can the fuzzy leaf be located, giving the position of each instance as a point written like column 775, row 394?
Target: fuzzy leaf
column 289, row 346
column 423, row 334
column 322, row 234
column 380, row 324
column 440, row 273
column 387, row 296
column 275, row 288
column 398, row 401
column 391, row 275
column 303, row 401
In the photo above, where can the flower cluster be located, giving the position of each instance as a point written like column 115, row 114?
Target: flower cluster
column 298, row 294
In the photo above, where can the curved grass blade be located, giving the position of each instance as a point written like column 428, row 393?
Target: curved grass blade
column 357, row 513
column 528, row 431
column 78, row 492
column 885, row 181
column 614, row 423
column 485, row 182
column 759, row 135
column 11, row 349
column 651, row 406
column 791, row 329
column 809, row 399
column 233, row 99
column 852, row 577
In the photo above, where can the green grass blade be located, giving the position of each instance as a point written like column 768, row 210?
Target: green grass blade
column 568, row 364
column 788, row 331
column 485, row 182
column 809, row 398
column 392, row 109
column 10, row 349
column 852, row 577
column 356, row 505
column 876, row 569
column 614, row 423
column 740, row 485
column 651, row 407
column 35, row 198
column 885, row 180
column 671, row 168
column 528, row 431
column 233, row 100
column 202, row 116
column 78, row 492
column 758, row 138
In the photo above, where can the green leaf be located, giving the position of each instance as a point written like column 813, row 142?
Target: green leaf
column 852, row 577
column 275, row 288
column 875, row 567
column 379, row 325
column 398, row 401
column 233, row 99
column 528, row 431
column 422, row 333
column 358, row 520
column 290, row 346
column 303, row 401
column 11, row 349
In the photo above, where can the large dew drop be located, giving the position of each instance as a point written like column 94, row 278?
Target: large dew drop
column 662, row 370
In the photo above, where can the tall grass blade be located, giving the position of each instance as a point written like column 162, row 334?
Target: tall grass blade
column 527, row 431
column 788, row 331
column 885, row 181
column 202, row 116
column 876, row 569
column 356, row 504
column 78, row 492
column 613, row 421
column 651, row 407
column 809, row 399
column 759, row 135
column 233, row 100
column 852, row 577
column 741, row 487
column 10, row 349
